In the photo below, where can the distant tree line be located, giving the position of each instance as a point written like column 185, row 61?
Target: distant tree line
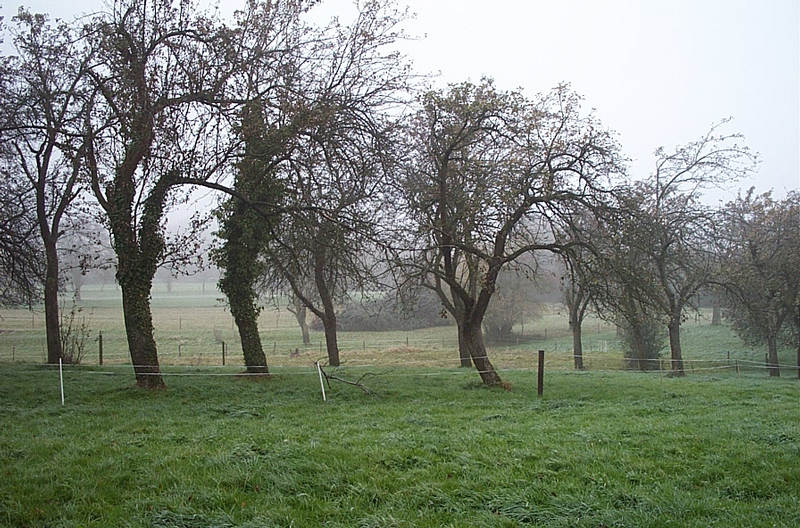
column 341, row 177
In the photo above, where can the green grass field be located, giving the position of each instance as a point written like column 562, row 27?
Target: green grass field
column 430, row 446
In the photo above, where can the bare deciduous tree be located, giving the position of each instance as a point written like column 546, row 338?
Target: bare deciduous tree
column 491, row 174
column 44, row 103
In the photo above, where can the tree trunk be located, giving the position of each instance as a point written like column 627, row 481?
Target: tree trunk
column 329, row 324
column 246, row 316
column 675, row 346
column 463, row 350
column 300, row 312
column 772, row 355
column 473, row 342
column 52, row 323
column 797, row 322
column 577, row 343
column 640, row 350
column 238, row 263
column 798, row 359
column 328, row 311
column 139, row 330
column 716, row 313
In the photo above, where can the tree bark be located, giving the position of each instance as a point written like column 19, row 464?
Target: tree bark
column 473, row 342
column 139, row 331
column 463, row 350
column 300, row 312
column 798, row 359
column 716, row 313
column 245, row 315
column 328, row 310
column 331, row 344
column 577, row 343
column 772, row 355
column 239, row 265
column 675, row 346
column 52, row 323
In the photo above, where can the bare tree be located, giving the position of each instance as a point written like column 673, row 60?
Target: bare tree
column 300, row 312
column 45, row 104
column 21, row 255
column 576, row 286
column 491, row 174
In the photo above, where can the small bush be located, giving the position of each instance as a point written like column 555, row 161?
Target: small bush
column 74, row 332
column 643, row 342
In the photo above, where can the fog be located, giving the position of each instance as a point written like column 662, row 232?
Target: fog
column 659, row 73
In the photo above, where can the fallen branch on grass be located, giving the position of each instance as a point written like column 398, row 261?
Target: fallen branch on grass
column 356, row 383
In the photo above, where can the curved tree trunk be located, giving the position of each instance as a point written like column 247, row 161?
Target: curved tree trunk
column 139, row 331
column 675, row 346
column 245, row 315
column 475, row 347
column 238, row 260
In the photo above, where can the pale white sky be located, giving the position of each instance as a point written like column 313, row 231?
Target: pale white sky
column 658, row 72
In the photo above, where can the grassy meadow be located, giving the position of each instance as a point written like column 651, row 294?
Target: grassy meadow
column 191, row 322
column 428, row 447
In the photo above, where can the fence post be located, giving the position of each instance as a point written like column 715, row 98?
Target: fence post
column 14, row 353
column 223, row 353
column 737, row 367
column 540, row 374
column 100, row 346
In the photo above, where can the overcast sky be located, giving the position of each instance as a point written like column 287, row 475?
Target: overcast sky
column 657, row 72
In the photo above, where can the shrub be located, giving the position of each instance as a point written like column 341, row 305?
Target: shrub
column 386, row 313
column 74, row 332
column 643, row 342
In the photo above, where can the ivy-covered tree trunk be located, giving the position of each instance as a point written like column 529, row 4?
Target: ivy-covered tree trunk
column 239, row 267
column 139, row 330
column 236, row 283
column 245, row 233
column 238, row 260
column 138, row 254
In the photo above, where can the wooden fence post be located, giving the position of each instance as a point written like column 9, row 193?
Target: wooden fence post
column 540, row 374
